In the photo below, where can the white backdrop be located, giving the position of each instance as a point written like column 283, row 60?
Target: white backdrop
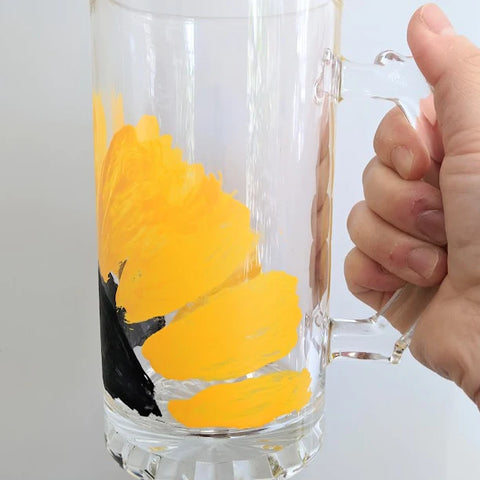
column 382, row 422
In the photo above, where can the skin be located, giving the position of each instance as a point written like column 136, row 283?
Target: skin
column 431, row 178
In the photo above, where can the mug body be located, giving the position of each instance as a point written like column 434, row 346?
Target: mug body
column 213, row 167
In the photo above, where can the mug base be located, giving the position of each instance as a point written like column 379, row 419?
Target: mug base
column 152, row 450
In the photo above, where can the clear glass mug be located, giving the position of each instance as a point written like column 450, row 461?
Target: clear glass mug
column 213, row 138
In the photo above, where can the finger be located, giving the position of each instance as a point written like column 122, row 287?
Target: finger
column 433, row 175
column 368, row 281
column 414, row 207
column 413, row 260
column 428, row 129
column 373, row 285
column 397, row 143
column 451, row 63
column 399, row 146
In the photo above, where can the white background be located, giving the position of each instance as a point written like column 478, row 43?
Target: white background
column 382, row 422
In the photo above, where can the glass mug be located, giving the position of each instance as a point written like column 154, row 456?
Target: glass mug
column 213, row 140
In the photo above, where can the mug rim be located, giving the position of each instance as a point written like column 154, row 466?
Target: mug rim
column 159, row 10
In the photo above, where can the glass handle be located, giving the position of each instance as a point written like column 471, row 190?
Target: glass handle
column 395, row 78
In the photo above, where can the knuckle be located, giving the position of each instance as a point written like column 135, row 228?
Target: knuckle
column 354, row 219
column 367, row 171
column 349, row 267
column 394, row 258
column 354, row 273
column 385, row 133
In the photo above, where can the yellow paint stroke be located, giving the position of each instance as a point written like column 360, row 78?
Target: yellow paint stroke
column 100, row 127
column 177, row 242
column 99, row 134
column 250, row 403
column 179, row 233
column 235, row 332
column 117, row 112
column 147, row 128
column 249, row 270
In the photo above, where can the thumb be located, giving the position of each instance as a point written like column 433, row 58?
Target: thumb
column 451, row 64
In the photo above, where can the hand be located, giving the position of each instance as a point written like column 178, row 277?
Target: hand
column 422, row 193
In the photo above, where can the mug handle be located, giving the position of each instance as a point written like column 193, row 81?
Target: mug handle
column 396, row 78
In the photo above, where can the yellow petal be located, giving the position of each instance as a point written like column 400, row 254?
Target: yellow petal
column 180, row 235
column 250, row 403
column 147, row 128
column 178, row 269
column 117, row 112
column 233, row 333
column 127, row 196
column 249, row 270
column 99, row 134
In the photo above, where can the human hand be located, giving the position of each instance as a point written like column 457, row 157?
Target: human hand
column 422, row 193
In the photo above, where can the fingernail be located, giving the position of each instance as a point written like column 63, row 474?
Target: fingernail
column 432, row 224
column 402, row 159
column 435, row 20
column 423, row 261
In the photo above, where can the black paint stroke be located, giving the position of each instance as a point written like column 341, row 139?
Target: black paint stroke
column 136, row 333
column 123, row 376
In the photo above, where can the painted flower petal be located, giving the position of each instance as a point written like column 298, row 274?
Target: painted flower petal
column 250, row 403
column 165, row 225
column 235, row 332
column 99, row 134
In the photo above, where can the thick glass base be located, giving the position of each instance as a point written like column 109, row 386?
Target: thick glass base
column 164, row 453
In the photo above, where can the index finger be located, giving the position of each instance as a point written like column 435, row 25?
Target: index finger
column 407, row 151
